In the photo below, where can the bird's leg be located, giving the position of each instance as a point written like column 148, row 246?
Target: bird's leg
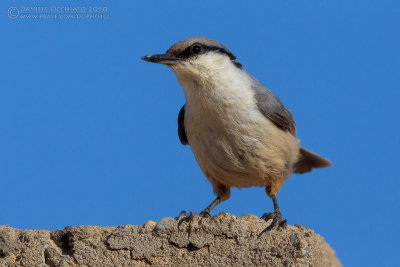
column 223, row 193
column 276, row 216
column 207, row 211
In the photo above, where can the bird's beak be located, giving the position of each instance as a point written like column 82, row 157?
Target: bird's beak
column 161, row 59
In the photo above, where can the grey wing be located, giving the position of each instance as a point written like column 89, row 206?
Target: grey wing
column 181, row 126
column 272, row 108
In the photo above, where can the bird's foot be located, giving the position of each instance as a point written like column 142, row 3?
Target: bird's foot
column 277, row 222
column 191, row 215
column 186, row 217
column 205, row 214
column 183, row 213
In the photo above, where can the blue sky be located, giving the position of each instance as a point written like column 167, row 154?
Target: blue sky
column 88, row 131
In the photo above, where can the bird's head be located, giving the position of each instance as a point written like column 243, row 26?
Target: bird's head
column 196, row 57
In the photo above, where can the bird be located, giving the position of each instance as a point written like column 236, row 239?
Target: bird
column 240, row 133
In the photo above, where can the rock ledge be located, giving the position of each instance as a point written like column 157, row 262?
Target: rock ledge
column 223, row 240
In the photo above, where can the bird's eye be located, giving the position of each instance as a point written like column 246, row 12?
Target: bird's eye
column 196, row 49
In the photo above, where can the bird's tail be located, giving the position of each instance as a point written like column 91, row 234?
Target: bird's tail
column 308, row 160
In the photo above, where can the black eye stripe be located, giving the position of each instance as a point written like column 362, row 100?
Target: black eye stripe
column 196, row 49
column 188, row 52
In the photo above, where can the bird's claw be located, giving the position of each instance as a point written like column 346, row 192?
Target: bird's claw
column 205, row 214
column 183, row 213
column 277, row 222
column 283, row 224
column 187, row 215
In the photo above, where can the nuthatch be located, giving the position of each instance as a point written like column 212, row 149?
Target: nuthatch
column 240, row 132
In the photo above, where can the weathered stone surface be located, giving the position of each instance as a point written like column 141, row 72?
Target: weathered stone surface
column 223, row 240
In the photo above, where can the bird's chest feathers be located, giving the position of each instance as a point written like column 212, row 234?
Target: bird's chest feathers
column 218, row 107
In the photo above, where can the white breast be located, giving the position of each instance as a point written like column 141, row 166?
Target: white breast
column 231, row 139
